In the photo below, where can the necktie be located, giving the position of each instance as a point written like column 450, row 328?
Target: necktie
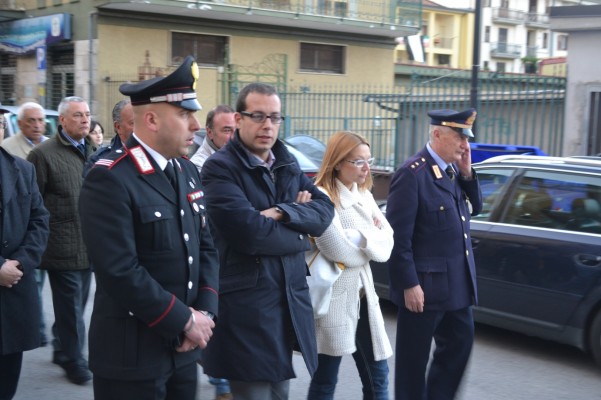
column 82, row 148
column 170, row 172
column 450, row 172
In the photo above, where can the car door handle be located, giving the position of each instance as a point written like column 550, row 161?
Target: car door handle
column 475, row 243
column 590, row 260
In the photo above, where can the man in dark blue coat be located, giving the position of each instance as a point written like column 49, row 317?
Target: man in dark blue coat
column 123, row 123
column 262, row 208
column 23, row 235
column 144, row 222
column 432, row 271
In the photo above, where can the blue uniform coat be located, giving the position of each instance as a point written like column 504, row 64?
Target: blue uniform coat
column 24, row 236
column 153, row 257
column 264, row 307
column 430, row 216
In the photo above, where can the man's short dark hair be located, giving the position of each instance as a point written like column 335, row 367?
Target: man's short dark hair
column 220, row 109
column 257, row 87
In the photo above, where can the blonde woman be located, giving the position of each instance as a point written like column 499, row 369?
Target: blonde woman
column 358, row 234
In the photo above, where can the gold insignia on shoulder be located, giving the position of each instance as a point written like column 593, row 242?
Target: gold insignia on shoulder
column 437, row 173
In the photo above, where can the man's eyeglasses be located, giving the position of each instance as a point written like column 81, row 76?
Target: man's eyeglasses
column 361, row 163
column 260, row 117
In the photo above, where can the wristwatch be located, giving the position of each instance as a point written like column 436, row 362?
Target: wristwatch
column 208, row 314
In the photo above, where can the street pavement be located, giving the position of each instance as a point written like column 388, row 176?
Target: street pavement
column 43, row 380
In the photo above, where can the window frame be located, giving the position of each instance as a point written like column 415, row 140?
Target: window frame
column 219, row 42
column 318, row 66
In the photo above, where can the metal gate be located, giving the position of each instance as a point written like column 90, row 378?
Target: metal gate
column 512, row 109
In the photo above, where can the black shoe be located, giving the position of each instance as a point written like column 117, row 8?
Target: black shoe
column 77, row 373
column 59, row 358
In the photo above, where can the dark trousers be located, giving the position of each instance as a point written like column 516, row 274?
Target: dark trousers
column 260, row 390
column 10, row 370
column 70, row 290
column 453, row 334
column 177, row 384
column 373, row 374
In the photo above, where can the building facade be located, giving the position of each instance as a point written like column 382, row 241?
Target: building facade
column 289, row 43
column 582, row 125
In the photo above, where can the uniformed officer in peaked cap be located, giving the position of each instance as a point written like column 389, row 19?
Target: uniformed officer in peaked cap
column 432, row 272
column 157, row 269
column 461, row 121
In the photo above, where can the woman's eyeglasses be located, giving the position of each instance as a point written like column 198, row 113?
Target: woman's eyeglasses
column 260, row 117
column 361, row 163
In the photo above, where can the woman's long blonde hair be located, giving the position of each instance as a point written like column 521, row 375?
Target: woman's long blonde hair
column 340, row 145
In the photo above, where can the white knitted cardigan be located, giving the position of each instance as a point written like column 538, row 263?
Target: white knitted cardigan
column 336, row 331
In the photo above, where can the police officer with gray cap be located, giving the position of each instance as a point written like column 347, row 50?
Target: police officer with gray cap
column 156, row 267
column 432, row 272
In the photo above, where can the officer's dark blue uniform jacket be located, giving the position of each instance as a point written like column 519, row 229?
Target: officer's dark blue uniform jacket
column 432, row 247
column 153, row 256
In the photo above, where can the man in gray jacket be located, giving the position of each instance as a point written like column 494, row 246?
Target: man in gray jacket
column 220, row 126
column 59, row 165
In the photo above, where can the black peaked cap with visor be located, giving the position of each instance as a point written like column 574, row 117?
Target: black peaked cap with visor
column 177, row 88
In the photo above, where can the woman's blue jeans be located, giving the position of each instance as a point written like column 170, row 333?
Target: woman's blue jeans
column 374, row 374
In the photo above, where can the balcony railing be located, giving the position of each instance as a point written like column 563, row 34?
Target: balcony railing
column 505, row 50
column 532, row 51
column 537, row 20
column 402, row 13
column 508, row 16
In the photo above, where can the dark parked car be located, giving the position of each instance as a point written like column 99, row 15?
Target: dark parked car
column 537, row 245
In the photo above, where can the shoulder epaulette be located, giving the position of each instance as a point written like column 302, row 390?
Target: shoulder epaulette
column 416, row 164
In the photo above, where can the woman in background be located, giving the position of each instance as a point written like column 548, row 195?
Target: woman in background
column 96, row 133
column 358, row 234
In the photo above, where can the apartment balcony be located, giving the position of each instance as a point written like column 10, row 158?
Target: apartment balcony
column 532, row 51
column 439, row 42
column 384, row 18
column 507, row 16
column 505, row 50
column 534, row 20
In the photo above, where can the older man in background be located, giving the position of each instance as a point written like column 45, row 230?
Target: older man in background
column 32, row 126
column 24, row 232
column 59, row 163
column 123, row 123
column 220, row 126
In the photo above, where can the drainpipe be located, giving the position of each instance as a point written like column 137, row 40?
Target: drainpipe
column 476, row 58
column 91, row 102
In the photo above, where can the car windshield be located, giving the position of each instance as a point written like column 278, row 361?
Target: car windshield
column 312, row 148
column 304, row 162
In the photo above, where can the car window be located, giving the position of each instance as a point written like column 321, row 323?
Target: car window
column 492, row 182
column 557, row 200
